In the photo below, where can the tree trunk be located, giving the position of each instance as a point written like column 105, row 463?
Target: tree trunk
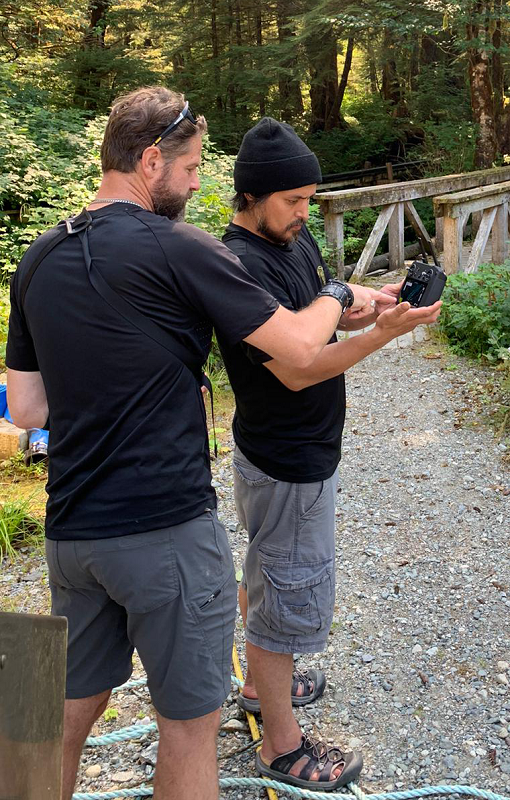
column 322, row 58
column 216, row 53
column 391, row 88
column 89, row 74
column 291, row 101
column 258, row 36
column 498, row 83
column 334, row 118
column 482, row 103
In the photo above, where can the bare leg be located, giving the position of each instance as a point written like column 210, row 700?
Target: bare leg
column 79, row 716
column 187, row 766
column 249, row 689
column 272, row 673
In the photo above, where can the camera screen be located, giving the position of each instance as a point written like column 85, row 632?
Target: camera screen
column 412, row 292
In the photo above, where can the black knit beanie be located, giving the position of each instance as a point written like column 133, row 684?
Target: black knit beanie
column 272, row 158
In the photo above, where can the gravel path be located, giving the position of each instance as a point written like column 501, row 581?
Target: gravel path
column 418, row 662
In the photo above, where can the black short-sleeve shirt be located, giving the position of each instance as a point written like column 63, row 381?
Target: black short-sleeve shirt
column 292, row 436
column 128, row 448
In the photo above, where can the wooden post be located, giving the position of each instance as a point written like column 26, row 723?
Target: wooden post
column 453, row 244
column 32, row 686
column 439, row 234
column 389, row 171
column 334, row 227
column 396, row 237
column 500, row 234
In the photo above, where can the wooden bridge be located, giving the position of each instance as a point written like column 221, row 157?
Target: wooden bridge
column 481, row 196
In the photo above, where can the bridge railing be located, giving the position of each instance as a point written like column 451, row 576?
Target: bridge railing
column 396, row 202
column 490, row 203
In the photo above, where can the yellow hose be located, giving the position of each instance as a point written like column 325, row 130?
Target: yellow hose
column 252, row 722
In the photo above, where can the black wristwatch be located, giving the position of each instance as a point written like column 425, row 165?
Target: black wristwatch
column 340, row 291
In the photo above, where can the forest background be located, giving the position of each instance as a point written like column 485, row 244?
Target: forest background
column 363, row 83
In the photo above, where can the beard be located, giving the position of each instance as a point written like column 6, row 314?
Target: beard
column 289, row 234
column 167, row 203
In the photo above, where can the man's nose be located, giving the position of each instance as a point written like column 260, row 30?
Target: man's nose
column 303, row 211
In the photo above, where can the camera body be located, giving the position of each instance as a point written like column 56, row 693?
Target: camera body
column 423, row 285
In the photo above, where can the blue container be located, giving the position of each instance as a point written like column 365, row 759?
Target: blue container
column 3, row 399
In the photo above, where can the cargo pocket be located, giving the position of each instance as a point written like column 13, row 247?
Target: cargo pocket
column 298, row 598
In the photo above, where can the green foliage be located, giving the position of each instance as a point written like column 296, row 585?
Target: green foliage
column 110, row 714
column 449, row 147
column 476, row 312
column 49, row 170
column 210, row 208
column 371, row 129
column 17, row 527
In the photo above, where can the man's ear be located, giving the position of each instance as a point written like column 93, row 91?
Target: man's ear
column 151, row 161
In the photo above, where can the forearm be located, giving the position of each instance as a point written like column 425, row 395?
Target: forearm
column 348, row 324
column 26, row 398
column 333, row 360
column 296, row 338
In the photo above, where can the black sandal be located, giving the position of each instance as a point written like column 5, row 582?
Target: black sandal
column 312, row 681
column 320, row 757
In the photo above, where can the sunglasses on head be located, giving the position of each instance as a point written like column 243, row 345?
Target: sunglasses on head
column 186, row 113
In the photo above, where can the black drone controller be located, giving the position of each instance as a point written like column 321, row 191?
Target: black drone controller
column 423, row 285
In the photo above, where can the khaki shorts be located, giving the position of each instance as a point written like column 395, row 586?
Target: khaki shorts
column 169, row 593
column 289, row 570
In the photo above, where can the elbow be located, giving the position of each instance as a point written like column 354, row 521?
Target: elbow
column 28, row 417
column 306, row 355
column 25, row 420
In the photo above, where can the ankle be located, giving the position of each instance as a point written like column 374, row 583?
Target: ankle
column 278, row 745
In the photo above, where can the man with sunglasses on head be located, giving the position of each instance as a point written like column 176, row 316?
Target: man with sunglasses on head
column 288, row 431
column 136, row 555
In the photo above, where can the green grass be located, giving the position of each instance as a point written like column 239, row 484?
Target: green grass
column 18, row 527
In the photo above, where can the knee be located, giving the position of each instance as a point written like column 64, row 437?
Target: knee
column 198, row 728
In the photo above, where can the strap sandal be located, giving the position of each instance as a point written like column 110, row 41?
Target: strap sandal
column 316, row 759
column 307, row 685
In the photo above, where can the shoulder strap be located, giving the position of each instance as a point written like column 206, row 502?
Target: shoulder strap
column 38, row 251
column 139, row 320
column 79, row 225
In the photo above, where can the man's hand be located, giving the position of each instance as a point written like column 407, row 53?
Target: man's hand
column 403, row 319
column 369, row 302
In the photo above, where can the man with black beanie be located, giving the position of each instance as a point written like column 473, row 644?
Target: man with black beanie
column 288, row 429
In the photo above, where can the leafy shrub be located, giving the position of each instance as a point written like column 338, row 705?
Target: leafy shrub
column 476, row 312
column 49, row 170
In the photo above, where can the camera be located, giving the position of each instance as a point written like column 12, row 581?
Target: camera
column 423, row 285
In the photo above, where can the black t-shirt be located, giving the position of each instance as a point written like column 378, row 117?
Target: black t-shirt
column 128, row 449
column 292, row 436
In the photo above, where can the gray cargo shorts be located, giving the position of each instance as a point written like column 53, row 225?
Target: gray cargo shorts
column 289, row 569
column 169, row 593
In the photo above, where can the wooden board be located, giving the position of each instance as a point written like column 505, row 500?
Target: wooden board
column 368, row 197
column 32, row 686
